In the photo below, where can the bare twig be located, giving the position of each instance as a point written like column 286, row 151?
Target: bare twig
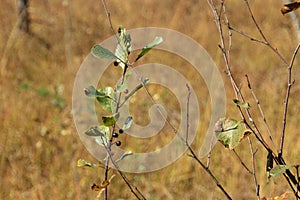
column 261, row 111
column 290, row 82
column 187, row 113
column 238, row 93
column 257, row 186
column 230, row 27
column 106, row 178
column 132, row 188
column 109, row 20
column 263, row 35
column 193, row 155
column 242, row 162
column 279, row 160
column 298, row 178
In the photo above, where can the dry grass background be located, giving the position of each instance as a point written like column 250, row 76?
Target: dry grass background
column 39, row 145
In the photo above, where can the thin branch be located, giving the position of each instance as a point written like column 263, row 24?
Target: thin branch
column 254, row 20
column 236, row 89
column 261, row 111
column 257, row 186
column 298, row 178
column 245, row 34
column 109, row 20
column 279, row 160
column 242, row 162
column 193, row 155
column 286, row 101
column 263, row 36
column 106, row 178
column 187, row 113
column 132, row 188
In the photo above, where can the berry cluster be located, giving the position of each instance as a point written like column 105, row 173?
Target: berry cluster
column 116, row 135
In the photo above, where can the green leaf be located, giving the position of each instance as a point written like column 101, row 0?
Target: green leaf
column 124, row 47
column 100, row 133
column 241, row 104
column 230, row 132
column 101, row 52
column 105, row 96
column 147, row 48
column 95, row 131
column 83, row 163
column 124, row 86
column 128, row 123
column 110, row 120
column 107, row 99
column 278, row 170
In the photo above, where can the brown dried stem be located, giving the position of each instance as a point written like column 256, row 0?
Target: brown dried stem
column 279, row 160
column 263, row 35
column 261, row 111
column 257, row 186
column 290, row 82
column 226, row 57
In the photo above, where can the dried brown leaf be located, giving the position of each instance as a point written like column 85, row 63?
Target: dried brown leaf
column 290, row 7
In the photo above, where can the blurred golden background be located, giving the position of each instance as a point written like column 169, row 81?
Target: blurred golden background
column 39, row 145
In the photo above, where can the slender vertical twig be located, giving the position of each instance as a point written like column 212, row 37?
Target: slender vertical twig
column 257, row 186
column 187, row 114
column 279, row 160
column 298, row 179
column 107, row 12
column 261, row 111
column 238, row 93
column 290, row 82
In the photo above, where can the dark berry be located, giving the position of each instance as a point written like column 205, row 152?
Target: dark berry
column 115, row 135
column 118, row 143
column 126, row 91
column 116, row 63
column 121, row 131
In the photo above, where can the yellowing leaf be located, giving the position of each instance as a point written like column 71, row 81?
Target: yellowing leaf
column 230, row 132
column 246, row 133
column 103, row 185
column 83, row 163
